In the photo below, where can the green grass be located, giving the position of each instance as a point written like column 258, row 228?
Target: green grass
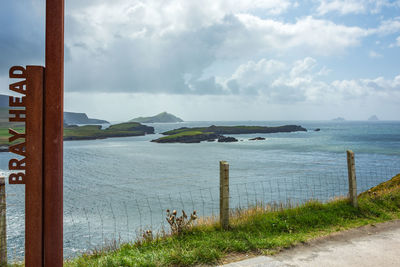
column 237, row 129
column 254, row 231
column 5, row 124
column 127, row 126
column 185, row 133
column 82, row 131
column 215, row 129
column 4, row 135
column 95, row 131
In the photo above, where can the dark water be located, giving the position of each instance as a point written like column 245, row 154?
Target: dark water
column 115, row 187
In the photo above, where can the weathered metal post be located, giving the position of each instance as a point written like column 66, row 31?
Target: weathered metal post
column 224, row 194
column 28, row 108
column 352, row 178
column 53, row 134
column 3, row 226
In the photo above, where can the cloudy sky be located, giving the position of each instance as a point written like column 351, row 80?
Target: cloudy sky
column 218, row 59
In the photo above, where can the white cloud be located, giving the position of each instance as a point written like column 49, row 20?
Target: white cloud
column 345, row 7
column 279, row 82
column 395, row 44
column 251, row 77
column 387, row 27
column 317, row 36
column 303, row 67
column 378, row 88
column 165, row 16
column 341, row 6
column 300, row 82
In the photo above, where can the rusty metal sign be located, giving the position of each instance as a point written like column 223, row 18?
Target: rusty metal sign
column 38, row 151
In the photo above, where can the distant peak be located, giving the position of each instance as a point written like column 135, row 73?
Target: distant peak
column 373, row 118
column 161, row 117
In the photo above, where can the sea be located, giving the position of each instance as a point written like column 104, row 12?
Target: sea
column 117, row 188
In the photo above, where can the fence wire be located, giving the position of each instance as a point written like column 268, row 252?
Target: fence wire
column 3, row 229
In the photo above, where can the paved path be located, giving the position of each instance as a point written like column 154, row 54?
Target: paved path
column 366, row 246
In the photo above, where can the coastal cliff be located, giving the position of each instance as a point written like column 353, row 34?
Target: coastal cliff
column 71, row 118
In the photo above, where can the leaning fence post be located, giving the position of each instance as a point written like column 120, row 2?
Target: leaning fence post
column 3, row 226
column 224, row 194
column 352, row 178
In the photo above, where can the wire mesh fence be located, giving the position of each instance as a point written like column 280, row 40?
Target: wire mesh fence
column 102, row 222
column 107, row 218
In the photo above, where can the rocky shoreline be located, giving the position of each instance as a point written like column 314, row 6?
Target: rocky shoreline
column 188, row 138
column 240, row 129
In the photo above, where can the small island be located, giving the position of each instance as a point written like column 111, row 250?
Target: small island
column 339, row 119
column 163, row 117
column 212, row 133
column 257, row 138
column 373, row 118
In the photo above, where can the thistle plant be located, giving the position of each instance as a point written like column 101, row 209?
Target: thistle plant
column 181, row 223
column 148, row 235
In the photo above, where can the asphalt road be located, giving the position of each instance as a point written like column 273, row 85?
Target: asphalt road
column 377, row 245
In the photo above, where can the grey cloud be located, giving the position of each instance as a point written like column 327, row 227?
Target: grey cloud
column 233, row 86
column 287, row 95
column 21, row 35
column 207, row 86
column 149, row 63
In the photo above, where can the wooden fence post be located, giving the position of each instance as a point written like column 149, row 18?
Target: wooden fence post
column 3, row 226
column 224, row 194
column 352, row 178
